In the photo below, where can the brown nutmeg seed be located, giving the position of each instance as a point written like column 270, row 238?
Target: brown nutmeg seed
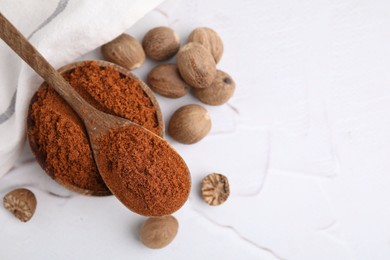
column 209, row 39
column 189, row 124
column 21, row 202
column 161, row 43
column 158, row 232
column 219, row 92
column 125, row 51
column 196, row 65
column 165, row 80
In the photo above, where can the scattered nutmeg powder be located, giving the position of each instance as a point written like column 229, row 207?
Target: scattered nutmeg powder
column 57, row 135
column 145, row 173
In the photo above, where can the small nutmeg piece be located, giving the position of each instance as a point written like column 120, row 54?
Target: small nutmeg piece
column 196, row 65
column 215, row 189
column 219, row 92
column 209, row 39
column 165, row 80
column 125, row 51
column 158, row 232
column 21, row 202
column 189, row 124
column 161, row 43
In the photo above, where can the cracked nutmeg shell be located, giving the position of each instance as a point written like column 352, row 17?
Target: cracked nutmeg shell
column 209, row 39
column 215, row 189
column 158, row 232
column 21, row 202
column 196, row 65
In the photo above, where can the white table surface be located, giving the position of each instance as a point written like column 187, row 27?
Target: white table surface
column 305, row 142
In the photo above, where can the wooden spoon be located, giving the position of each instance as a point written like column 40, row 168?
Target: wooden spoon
column 101, row 125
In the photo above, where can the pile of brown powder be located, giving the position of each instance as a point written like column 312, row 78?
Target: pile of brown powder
column 143, row 172
column 58, row 137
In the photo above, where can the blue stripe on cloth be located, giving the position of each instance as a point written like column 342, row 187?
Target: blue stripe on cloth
column 9, row 111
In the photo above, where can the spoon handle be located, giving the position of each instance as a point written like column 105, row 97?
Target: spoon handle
column 32, row 57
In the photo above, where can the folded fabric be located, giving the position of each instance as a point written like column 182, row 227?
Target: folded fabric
column 62, row 31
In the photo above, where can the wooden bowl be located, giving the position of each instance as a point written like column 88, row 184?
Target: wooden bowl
column 41, row 158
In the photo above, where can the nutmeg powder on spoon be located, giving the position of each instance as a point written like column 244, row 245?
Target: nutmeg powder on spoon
column 148, row 176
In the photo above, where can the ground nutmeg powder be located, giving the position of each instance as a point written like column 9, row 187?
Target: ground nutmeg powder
column 57, row 135
column 144, row 173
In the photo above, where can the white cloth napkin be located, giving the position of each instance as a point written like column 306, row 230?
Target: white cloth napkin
column 62, row 31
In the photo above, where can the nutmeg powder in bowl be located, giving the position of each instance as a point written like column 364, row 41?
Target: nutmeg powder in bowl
column 57, row 135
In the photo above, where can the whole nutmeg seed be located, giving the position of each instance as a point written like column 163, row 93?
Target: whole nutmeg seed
column 165, row 80
column 161, row 43
column 209, row 39
column 215, row 189
column 21, row 202
column 158, row 232
column 125, row 51
column 189, row 124
column 196, row 65
column 219, row 92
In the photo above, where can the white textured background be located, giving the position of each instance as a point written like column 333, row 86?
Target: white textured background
column 305, row 142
